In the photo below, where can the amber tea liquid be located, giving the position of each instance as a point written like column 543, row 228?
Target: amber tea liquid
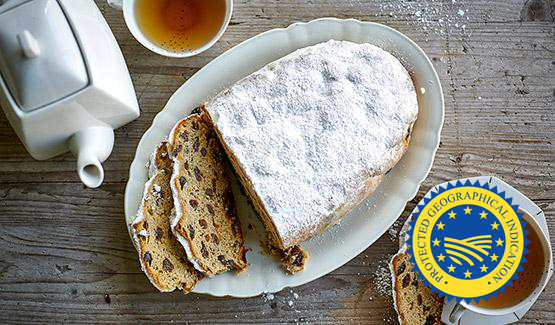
column 180, row 25
column 528, row 279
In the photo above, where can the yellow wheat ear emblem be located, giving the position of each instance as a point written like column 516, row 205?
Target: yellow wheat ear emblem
column 468, row 249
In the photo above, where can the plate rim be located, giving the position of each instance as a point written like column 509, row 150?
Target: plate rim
column 398, row 211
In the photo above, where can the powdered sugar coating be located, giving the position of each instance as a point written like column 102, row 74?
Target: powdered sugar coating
column 309, row 129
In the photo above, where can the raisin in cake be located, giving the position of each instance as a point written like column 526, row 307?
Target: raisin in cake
column 205, row 220
column 312, row 134
column 162, row 258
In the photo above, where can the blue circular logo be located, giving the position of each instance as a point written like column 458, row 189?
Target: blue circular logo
column 467, row 243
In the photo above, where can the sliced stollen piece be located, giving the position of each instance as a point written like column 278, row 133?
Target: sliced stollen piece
column 415, row 303
column 162, row 258
column 312, row 134
column 205, row 222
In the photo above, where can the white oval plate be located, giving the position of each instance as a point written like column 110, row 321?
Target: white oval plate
column 362, row 226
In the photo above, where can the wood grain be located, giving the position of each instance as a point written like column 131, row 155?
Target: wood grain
column 65, row 247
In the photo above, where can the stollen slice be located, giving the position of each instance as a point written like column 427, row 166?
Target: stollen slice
column 162, row 258
column 414, row 302
column 205, row 220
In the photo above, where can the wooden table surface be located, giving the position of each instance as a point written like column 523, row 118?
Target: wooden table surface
column 65, row 256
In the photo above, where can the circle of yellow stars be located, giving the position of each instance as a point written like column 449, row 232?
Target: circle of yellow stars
column 452, row 215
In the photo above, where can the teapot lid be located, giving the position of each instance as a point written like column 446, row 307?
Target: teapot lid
column 40, row 59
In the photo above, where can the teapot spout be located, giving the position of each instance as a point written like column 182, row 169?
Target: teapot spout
column 92, row 146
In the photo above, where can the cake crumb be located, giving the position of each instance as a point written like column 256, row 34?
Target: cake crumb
column 268, row 296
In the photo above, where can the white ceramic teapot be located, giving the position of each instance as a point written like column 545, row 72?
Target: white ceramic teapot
column 64, row 85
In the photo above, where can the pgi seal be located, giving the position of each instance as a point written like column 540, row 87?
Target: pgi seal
column 467, row 241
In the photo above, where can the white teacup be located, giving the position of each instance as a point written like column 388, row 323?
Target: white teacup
column 453, row 312
column 128, row 7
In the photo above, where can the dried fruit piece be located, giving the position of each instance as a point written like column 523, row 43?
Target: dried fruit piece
column 406, row 280
column 167, row 265
column 204, row 251
column 401, row 268
column 148, row 257
column 159, row 233
column 191, row 232
column 211, row 209
column 196, row 110
column 198, row 175
column 182, row 181
column 431, row 320
column 196, row 144
column 292, row 259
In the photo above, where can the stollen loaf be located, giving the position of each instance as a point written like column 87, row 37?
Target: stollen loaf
column 312, row 134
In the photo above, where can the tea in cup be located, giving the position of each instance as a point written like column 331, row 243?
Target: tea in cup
column 525, row 290
column 176, row 28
